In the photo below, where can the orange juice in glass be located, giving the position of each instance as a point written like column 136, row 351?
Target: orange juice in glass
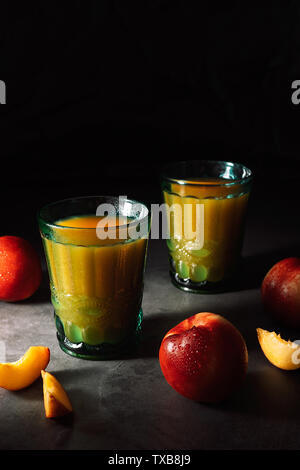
column 96, row 279
column 206, row 202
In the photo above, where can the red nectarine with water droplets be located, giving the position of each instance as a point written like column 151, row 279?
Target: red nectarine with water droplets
column 281, row 291
column 20, row 269
column 204, row 358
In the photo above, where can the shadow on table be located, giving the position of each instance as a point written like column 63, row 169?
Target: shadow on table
column 246, row 312
column 255, row 267
column 269, row 393
column 247, row 317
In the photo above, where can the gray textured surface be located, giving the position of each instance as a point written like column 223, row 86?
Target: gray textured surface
column 127, row 404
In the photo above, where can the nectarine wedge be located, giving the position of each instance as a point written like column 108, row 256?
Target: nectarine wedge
column 22, row 373
column 56, row 400
column 281, row 353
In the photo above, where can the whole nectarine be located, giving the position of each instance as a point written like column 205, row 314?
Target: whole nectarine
column 20, row 269
column 204, row 357
column 280, row 291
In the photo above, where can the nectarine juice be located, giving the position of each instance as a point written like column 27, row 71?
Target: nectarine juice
column 212, row 257
column 96, row 284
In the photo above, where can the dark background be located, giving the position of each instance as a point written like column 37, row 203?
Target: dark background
column 101, row 93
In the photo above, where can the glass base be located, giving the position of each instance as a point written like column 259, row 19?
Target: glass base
column 101, row 351
column 203, row 287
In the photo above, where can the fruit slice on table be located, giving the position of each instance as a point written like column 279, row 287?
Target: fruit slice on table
column 281, row 353
column 56, row 400
column 22, row 373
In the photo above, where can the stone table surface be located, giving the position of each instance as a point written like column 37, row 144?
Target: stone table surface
column 126, row 404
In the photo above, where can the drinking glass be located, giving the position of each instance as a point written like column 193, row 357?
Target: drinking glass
column 206, row 204
column 96, row 267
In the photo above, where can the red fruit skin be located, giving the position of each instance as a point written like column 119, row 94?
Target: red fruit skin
column 20, row 269
column 204, row 358
column 281, row 292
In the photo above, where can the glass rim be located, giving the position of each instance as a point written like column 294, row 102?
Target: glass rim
column 231, row 182
column 76, row 198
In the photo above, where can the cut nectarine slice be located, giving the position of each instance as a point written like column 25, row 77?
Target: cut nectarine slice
column 281, row 353
column 56, row 400
column 22, row 373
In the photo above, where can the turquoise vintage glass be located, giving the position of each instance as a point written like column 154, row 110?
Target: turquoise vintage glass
column 222, row 190
column 96, row 285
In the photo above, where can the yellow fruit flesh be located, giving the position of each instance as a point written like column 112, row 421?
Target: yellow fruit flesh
column 281, row 353
column 56, row 400
column 22, row 373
